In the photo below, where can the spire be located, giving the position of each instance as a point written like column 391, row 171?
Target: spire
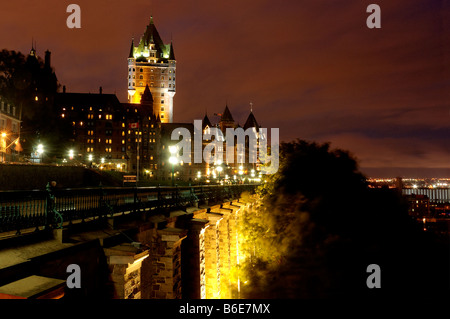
column 131, row 55
column 172, row 53
column 251, row 122
column 33, row 50
column 206, row 122
column 226, row 116
column 147, row 97
column 151, row 36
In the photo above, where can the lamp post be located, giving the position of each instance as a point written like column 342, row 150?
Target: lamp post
column 241, row 172
column 173, row 160
column 219, row 169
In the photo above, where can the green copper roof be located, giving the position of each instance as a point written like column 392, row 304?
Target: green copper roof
column 151, row 36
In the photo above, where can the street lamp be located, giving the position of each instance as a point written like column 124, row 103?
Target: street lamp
column 40, row 151
column 71, row 154
column 219, row 169
column 173, row 160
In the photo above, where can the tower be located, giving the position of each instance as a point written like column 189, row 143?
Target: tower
column 153, row 63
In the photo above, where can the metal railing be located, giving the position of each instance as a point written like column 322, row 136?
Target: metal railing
column 50, row 208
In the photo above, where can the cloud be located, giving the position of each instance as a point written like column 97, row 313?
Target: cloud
column 311, row 68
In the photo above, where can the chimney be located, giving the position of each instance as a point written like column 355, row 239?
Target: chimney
column 47, row 59
column 64, row 89
column 101, row 90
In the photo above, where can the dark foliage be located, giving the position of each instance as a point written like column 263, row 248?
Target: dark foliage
column 30, row 85
column 333, row 226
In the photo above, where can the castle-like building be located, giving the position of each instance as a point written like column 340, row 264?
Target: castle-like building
column 152, row 63
column 135, row 137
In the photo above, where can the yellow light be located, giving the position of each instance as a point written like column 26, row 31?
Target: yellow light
column 3, row 134
column 139, row 260
column 173, row 160
column 172, row 149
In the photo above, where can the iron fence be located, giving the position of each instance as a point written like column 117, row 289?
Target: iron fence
column 50, row 208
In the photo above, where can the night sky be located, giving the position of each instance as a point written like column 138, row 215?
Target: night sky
column 311, row 68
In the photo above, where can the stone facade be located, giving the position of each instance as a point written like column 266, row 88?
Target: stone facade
column 166, row 264
column 186, row 254
column 152, row 63
column 125, row 273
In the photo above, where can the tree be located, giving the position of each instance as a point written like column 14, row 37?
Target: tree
column 318, row 226
column 30, row 84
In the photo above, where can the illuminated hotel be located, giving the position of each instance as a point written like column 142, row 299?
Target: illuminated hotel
column 153, row 63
